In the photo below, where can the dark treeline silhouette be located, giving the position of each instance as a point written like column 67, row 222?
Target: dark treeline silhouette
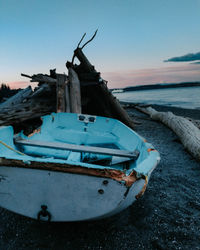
column 6, row 92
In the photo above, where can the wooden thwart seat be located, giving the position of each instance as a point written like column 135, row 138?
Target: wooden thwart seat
column 78, row 148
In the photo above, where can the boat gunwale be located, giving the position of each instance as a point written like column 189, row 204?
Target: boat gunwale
column 114, row 174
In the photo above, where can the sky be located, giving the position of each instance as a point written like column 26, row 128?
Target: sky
column 138, row 41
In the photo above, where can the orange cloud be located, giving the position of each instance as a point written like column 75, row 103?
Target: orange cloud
column 155, row 75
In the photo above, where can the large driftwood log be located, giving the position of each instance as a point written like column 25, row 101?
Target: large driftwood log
column 113, row 108
column 93, row 102
column 75, row 92
column 17, row 98
column 84, row 61
column 40, row 78
column 187, row 132
column 195, row 122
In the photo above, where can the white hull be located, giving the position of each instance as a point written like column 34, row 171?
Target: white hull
column 76, row 167
column 68, row 197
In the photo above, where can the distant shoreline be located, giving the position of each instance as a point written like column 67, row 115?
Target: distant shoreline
column 158, row 86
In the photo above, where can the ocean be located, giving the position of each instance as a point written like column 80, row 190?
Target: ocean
column 185, row 97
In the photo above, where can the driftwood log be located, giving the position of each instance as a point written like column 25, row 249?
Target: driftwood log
column 75, row 92
column 187, row 132
column 17, row 98
column 60, row 90
column 117, row 109
column 100, row 100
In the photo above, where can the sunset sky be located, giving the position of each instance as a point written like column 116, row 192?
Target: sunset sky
column 134, row 39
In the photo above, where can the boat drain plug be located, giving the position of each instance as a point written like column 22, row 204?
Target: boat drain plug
column 105, row 182
column 101, row 191
column 43, row 214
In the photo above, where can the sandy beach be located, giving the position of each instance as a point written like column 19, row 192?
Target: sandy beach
column 166, row 217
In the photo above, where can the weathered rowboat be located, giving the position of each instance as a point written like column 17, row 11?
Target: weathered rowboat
column 75, row 167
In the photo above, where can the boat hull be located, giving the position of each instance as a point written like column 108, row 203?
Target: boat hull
column 63, row 196
column 75, row 167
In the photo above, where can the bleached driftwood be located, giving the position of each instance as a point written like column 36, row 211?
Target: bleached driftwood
column 195, row 122
column 17, row 98
column 75, row 92
column 187, row 132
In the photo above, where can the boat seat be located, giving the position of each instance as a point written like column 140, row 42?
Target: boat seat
column 77, row 148
column 74, row 156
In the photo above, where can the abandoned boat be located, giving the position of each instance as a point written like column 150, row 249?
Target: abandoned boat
column 75, row 167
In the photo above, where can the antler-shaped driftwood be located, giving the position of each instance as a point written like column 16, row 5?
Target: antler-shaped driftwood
column 90, row 39
column 84, row 43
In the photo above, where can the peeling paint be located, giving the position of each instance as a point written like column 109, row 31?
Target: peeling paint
column 151, row 149
column 36, row 131
column 117, row 175
column 140, row 194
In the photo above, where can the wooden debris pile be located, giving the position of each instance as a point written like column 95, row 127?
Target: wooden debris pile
column 81, row 91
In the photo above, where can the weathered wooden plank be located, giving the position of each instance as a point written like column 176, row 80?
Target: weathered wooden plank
column 78, row 148
column 75, row 92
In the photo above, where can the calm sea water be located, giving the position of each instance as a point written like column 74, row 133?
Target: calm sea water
column 188, row 97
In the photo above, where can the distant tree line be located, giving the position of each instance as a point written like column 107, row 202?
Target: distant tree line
column 6, row 92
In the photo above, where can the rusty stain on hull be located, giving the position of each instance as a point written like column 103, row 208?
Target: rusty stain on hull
column 74, row 169
column 143, row 189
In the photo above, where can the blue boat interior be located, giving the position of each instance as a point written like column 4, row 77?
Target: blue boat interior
column 85, row 130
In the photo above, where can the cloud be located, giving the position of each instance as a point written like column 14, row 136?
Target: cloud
column 198, row 62
column 184, row 73
column 185, row 58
